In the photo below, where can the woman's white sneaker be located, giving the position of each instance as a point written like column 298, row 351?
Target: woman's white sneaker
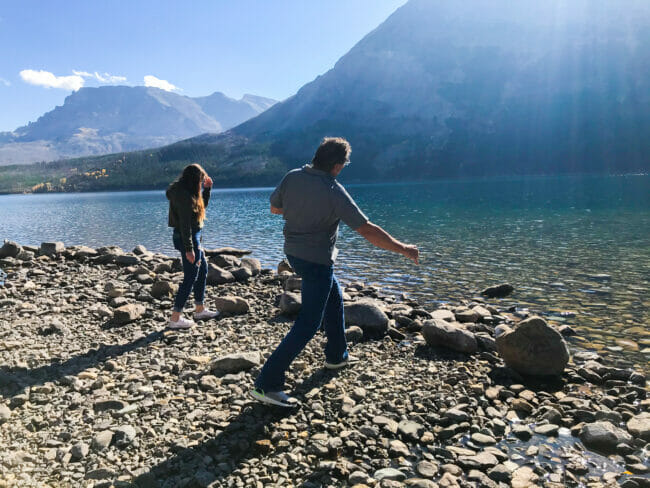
column 181, row 323
column 206, row 314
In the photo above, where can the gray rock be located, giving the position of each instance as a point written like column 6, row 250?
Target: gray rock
column 5, row 413
column 498, row 291
column 124, row 436
column 443, row 314
column 367, row 315
column 500, row 473
column 79, row 450
column 128, row 313
column 358, row 477
column 464, row 316
column 102, row 440
column 99, row 474
column 163, row 289
column 410, row 430
column 389, row 474
column 53, row 326
column 533, row 348
column 234, row 363
column 427, row 469
column 140, row 250
column 126, row 260
column 218, row 276
column 51, row 248
column 397, row 448
column 482, row 461
column 284, row 266
column 254, row 265
column 242, row 274
column 290, row 303
column 639, row 426
column 231, row 305
column 10, row 249
column 439, row 332
column 226, row 261
column 603, row 436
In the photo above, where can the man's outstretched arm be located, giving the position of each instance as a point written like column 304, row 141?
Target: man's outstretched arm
column 276, row 210
column 380, row 238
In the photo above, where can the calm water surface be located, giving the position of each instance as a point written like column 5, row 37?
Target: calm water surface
column 549, row 237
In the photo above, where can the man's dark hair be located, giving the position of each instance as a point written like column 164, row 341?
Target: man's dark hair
column 332, row 151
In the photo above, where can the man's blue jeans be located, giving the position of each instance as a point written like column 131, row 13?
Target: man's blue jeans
column 194, row 274
column 322, row 302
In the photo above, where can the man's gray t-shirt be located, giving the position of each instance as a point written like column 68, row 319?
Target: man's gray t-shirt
column 312, row 204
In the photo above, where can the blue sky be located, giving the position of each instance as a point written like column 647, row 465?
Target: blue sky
column 265, row 47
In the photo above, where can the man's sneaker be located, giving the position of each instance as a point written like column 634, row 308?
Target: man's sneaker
column 181, row 323
column 278, row 398
column 342, row 364
column 206, row 314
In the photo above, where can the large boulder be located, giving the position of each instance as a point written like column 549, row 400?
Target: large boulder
column 603, row 436
column 290, row 303
column 234, row 363
column 498, row 291
column 368, row 315
column 533, row 348
column 218, row 276
column 439, row 332
column 443, row 314
column 231, row 305
column 10, row 249
column 284, row 266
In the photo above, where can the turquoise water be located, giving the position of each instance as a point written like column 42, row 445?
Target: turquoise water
column 546, row 236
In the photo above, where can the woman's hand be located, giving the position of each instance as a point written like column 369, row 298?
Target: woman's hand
column 207, row 182
column 190, row 256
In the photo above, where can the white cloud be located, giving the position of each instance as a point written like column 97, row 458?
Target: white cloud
column 105, row 78
column 151, row 80
column 49, row 80
column 4, row 82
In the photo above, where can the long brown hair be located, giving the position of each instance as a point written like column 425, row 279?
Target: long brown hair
column 191, row 179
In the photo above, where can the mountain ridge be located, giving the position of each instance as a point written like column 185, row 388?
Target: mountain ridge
column 446, row 90
column 108, row 119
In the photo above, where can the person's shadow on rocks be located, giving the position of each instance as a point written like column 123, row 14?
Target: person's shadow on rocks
column 245, row 437
column 14, row 381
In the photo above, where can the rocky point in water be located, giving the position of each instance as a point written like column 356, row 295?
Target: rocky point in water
column 95, row 392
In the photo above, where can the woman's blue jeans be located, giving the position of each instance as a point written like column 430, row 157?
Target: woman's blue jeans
column 194, row 274
column 322, row 303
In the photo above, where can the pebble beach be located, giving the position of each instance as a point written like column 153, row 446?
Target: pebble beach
column 96, row 392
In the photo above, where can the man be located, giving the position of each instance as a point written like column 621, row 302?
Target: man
column 312, row 203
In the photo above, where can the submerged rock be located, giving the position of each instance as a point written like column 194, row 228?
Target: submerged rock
column 533, row 348
column 603, row 436
column 498, row 291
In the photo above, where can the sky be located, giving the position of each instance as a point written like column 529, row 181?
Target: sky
column 49, row 48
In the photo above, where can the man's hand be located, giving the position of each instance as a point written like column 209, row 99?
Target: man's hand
column 380, row 238
column 207, row 182
column 276, row 210
column 190, row 256
column 412, row 252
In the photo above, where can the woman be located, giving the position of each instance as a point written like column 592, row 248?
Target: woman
column 188, row 197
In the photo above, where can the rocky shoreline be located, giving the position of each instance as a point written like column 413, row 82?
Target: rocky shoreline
column 96, row 393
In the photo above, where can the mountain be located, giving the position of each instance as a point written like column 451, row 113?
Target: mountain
column 111, row 119
column 448, row 89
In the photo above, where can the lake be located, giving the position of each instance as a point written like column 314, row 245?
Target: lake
column 550, row 237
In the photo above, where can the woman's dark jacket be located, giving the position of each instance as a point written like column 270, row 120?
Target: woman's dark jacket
column 181, row 215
